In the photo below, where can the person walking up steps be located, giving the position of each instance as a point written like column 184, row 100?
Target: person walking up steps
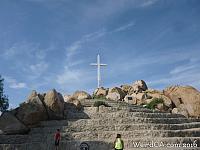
column 118, row 144
column 57, row 138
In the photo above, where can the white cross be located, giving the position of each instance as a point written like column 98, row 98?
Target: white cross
column 98, row 64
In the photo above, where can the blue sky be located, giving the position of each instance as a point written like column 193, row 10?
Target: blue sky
column 47, row 44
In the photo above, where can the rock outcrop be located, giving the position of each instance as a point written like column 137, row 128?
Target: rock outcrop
column 100, row 92
column 32, row 95
column 186, row 95
column 113, row 96
column 54, row 103
column 158, row 94
column 116, row 94
column 139, row 86
column 140, row 95
column 130, row 99
column 80, row 95
column 32, row 112
column 9, row 124
column 127, row 88
column 69, row 99
column 181, row 109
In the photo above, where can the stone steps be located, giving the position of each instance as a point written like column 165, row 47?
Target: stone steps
column 90, row 103
column 100, row 136
column 116, row 121
column 19, row 139
column 122, row 127
column 98, row 127
column 128, row 134
column 92, row 115
column 109, row 109
column 106, row 135
column 135, row 120
column 131, row 127
column 97, row 135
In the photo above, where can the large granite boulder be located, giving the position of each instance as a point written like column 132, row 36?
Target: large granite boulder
column 67, row 98
column 54, row 103
column 77, row 104
column 70, row 100
column 126, row 88
column 186, row 95
column 181, row 110
column 100, row 92
column 130, row 99
column 80, row 95
column 116, row 94
column 113, row 96
column 139, row 86
column 9, row 124
column 32, row 95
column 33, row 111
column 35, row 94
column 140, row 96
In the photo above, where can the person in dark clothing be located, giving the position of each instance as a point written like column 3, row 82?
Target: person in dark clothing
column 57, row 138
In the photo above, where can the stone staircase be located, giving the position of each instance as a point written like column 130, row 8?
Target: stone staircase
column 97, row 126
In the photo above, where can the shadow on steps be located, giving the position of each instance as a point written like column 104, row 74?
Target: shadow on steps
column 72, row 112
column 93, row 145
column 64, row 145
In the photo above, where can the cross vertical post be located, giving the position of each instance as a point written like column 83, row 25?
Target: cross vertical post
column 98, row 64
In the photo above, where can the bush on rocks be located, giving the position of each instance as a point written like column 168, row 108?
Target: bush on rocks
column 154, row 103
column 99, row 103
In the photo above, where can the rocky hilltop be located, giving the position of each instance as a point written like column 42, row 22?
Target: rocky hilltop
column 140, row 114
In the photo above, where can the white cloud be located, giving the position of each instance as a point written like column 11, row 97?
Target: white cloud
column 183, row 68
column 69, row 76
column 10, row 52
column 35, row 71
column 19, row 50
column 158, row 58
column 147, row 3
column 103, row 10
column 14, row 84
column 186, row 74
column 25, row 51
column 75, row 63
column 191, row 77
column 39, row 67
column 94, row 35
column 40, row 54
column 74, row 78
column 124, row 27
column 18, row 85
column 75, row 46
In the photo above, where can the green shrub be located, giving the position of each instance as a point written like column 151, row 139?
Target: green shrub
column 99, row 103
column 154, row 102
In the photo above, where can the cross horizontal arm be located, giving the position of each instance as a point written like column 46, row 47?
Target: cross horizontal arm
column 103, row 64
column 93, row 64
